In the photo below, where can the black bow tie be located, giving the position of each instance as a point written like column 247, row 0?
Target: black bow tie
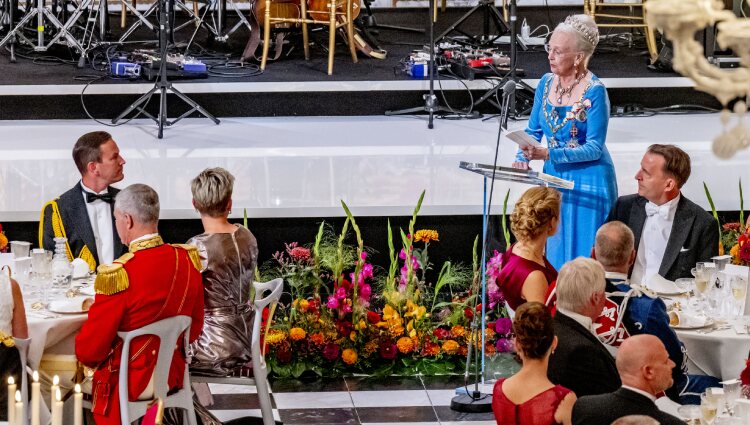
column 106, row 197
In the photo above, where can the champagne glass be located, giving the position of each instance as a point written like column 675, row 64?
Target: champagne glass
column 701, row 284
column 739, row 290
column 708, row 408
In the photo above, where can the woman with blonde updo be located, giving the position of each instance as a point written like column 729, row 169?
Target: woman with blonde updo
column 571, row 111
column 526, row 273
column 529, row 397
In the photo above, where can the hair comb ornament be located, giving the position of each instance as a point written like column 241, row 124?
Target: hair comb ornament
column 591, row 36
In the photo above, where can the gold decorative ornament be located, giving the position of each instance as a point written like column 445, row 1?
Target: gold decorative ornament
column 679, row 20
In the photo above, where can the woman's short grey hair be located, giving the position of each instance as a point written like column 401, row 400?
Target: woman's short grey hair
column 212, row 191
column 139, row 201
column 577, row 282
column 586, row 33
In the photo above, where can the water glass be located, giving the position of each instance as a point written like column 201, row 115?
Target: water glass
column 732, row 392
column 40, row 263
column 690, row 413
column 20, row 248
column 739, row 291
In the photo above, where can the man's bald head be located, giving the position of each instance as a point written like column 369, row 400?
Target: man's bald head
column 614, row 246
column 643, row 363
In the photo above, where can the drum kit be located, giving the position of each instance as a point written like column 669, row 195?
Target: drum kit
column 83, row 25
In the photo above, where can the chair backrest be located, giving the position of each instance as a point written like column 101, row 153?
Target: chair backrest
column 168, row 330
column 22, row 344
column 260, row 302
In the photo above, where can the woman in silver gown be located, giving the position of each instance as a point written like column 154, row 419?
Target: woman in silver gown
column 229, row 254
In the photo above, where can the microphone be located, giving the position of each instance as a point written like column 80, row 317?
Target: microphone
column 509, row 88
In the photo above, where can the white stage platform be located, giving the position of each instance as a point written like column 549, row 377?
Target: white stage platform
column 304, row 166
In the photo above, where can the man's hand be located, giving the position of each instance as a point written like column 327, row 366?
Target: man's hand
column 520, row 165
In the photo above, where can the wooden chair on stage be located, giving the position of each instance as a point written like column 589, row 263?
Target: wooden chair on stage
column 632, row 18
column 333, row 13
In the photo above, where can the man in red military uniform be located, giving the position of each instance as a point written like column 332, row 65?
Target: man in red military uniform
column 153, row 281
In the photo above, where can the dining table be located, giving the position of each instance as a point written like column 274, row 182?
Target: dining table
column 720, row 349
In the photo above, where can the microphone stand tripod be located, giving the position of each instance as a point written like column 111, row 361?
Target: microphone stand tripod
column 474, row 401
column 163, row 85
column 431, row 105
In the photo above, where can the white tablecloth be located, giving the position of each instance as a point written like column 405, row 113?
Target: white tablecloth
column 721, row 353
column 55, row 334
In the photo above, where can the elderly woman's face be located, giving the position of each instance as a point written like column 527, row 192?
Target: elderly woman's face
column 563, row 53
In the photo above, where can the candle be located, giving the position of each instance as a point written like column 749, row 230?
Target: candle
column 11, row 394
column 53, row 390
column 78, row 406
column 36, row 398
column 19, row 409
column 57, row 408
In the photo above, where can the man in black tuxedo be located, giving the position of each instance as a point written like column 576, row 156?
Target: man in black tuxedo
column 581, row 363
column 645, row 370
column 84, row 214
column 671, row 232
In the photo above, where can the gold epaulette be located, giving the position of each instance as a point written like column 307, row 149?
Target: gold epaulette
column 112, row 278
column 192, row 250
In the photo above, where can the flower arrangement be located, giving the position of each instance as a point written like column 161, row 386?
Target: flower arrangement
column 3, row 240
column 343, row 315
column 733, row 236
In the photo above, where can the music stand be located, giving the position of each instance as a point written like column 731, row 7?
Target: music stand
column 163, row 85
column 474, row 401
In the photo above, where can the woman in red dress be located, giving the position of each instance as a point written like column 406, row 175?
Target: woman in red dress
column 526, row 273
column 528, row 397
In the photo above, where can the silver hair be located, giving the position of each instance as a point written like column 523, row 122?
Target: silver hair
column 614, row 243
column 139, row 201
column 212, row 190
column 585, row 30
column 577, row 282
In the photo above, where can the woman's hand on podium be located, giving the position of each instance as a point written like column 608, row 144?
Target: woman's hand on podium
column 520, row 165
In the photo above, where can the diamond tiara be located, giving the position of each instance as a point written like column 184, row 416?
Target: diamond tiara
column 591, row 36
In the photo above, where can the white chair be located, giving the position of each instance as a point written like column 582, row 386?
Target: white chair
column 168, row 330
column 260, row 370
column 22, row 344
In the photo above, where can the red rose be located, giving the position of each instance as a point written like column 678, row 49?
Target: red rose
column 479, row 308
column 468, row 313
column 373, row 317
column 441, row 333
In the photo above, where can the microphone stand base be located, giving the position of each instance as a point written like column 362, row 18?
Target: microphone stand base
column 467, row 404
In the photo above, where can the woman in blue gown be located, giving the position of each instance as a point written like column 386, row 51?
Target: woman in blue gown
column 571, row 110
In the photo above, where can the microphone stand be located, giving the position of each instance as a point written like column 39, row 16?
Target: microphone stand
column 163, row 85
column 475, row 401
column 431, row 105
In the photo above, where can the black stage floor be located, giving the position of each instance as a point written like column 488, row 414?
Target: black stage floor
column 28, row 86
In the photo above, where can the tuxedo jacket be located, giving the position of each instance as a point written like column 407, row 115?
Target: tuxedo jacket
column 607, row 408
column 694, row 235
column 580, row 362
column 67, row 216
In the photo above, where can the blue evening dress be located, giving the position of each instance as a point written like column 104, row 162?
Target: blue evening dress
column 578, row 155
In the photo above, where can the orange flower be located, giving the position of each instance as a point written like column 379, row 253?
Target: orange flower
column 490, row 349
column 426, row 235
column 297, row 334
column 431, row 349
column 396, row 330
column 458, row 331
column 450, row 346
column 405, row 345
column 304, row 305
column 463, row 350
column 317, row 338
column 275, row 336
column 489, row 333
column 371, row 347
column 3, row 241
column 349, row 356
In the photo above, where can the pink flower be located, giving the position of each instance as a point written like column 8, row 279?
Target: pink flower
column 504, row 345
column 331, row 352
column 347, row 308
column 364, row 255
column 340, row 293
column 365, row 291
column 503, row 325
column 300, row 254
column 332, row 303
column 441, row 333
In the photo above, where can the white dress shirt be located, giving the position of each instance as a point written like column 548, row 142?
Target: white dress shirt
column 582, row 320
column 100, row 217
column 654, row 238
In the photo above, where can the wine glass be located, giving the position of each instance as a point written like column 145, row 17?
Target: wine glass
column 701, row 283
column 708, row 407
column 732, row 391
